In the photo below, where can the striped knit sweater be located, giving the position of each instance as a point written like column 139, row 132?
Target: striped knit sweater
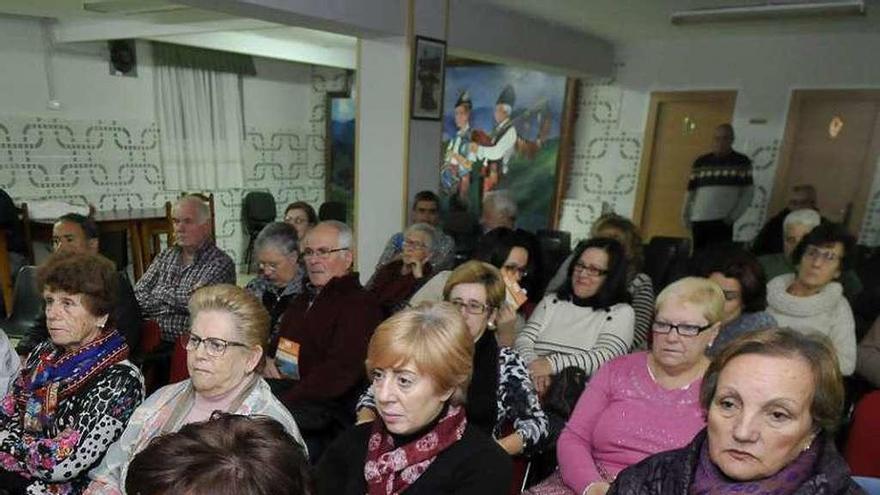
column 569, row 335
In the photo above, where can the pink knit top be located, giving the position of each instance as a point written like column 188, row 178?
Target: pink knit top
column 622, row 417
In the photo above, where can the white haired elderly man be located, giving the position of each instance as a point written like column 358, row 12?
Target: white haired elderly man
column 796, row 225
column 194, row 261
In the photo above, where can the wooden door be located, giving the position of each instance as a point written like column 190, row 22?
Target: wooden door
column 832, row 141
column 680, row 128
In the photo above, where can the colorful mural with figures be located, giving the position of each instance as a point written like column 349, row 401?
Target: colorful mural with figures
column 501, row 130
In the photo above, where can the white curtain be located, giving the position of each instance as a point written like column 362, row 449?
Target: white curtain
column 200, row 121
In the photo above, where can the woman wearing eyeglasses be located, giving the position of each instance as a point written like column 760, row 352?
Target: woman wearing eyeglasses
column 812, row 300
column 741, row 278
column 301, row 216
column 281, row 275
column 500, row 395
column 225, row 352
column 394, row 283
column 588, row 322
column 645, row 402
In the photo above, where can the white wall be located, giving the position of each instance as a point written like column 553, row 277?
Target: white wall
column 101, row 147
column 763, row 69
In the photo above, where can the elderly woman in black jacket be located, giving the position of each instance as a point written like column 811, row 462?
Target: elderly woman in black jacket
column 773, row 398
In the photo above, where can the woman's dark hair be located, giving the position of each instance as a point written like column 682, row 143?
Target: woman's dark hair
column 613, row 288
column 302, row 205
column 734, row 262
column 826, row 235
column 494, row 247
column 91, row 275
column 228, row 454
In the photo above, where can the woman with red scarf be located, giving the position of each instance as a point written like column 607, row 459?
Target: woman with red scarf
column 76, row 391
column 420, row 363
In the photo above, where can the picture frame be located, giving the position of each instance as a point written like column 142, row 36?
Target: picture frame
column 339, row 150
column 428, row 79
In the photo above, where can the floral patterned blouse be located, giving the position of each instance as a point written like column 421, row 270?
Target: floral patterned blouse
column 57, row 459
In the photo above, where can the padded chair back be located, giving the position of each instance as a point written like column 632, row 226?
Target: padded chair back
column 555, row 246
column 332, row 210
column 258, row 210
column 666, row 260
column 27, row 303
column 863, row 446
column 114, row 245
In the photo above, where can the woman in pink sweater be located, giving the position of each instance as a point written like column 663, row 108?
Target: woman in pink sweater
column 642, row 403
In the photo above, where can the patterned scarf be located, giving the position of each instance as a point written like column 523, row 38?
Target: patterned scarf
column 709, row 480
column 58, row 376
column 391, row 470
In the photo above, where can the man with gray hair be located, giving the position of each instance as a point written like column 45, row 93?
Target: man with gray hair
column 317, row 361
column 193, row 262
column 499, row 210
column 796, row 225
column 769, row 239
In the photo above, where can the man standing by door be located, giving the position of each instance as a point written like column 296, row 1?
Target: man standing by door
column 719, row 191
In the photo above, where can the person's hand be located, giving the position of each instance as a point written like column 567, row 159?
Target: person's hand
column 270, row 370
column 541, row 372
column 418, row 269
column 597, row 488
column 516, row 295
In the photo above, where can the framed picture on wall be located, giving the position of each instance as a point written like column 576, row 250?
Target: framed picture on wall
column 339, row 149
column 429, row 75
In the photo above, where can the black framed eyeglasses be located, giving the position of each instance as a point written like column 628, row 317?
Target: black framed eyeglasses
column 213, row 346
column 683, row 329
column 593, row 271
column 322, row 253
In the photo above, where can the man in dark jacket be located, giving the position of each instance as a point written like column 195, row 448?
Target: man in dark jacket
column 79, row 234
column 318, row 357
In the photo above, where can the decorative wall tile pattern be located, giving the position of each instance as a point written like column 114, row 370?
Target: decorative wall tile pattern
column 114, row 165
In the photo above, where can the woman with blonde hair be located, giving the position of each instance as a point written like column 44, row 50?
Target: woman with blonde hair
column 419, row 362
column 225, row 353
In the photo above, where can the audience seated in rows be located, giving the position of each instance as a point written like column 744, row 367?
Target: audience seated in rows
column 588, row 322
column 639, row 284
column 76, row 390
column 420, row 362
column 500, row 394
column 770, row 240
column 75, row 233
column 301, row 216
column 317, row 360
column 225, row 354
column 798, row 224
column 394, row 283
column 742, row 280
column 425, row 209
column 194, row 261
column 812, row 300
column 868, row 360
column 774, row 399
column 642, row 403
column 510, row 251
column 229, row 454
column 281, row 276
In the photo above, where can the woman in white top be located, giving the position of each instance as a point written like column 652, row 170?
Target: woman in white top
column 811, row 300
column 587, row 322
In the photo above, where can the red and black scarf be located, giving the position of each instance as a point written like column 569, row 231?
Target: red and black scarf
column 390, row 470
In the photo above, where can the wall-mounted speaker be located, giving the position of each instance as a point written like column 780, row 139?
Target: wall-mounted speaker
column 123, row 58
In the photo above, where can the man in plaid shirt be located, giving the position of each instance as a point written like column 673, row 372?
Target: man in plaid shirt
column 195, row 261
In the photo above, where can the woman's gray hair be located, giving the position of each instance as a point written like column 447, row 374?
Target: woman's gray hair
column 279, row 235
column 429, row 231
column 806, row 217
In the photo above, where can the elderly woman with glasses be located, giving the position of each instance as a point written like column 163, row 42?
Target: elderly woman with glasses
column 281, row 277
column 642, row 403
column 812, row 299
column 501, row 396
column 588, row 322
column 225, row 352
column 394, row 283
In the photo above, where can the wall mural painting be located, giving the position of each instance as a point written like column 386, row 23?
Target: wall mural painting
column 340, row 150
column 501, row 130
